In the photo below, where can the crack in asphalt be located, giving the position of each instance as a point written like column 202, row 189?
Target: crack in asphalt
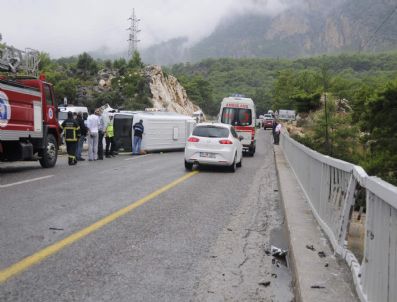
column 241, row 263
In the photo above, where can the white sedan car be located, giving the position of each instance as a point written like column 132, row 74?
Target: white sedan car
column 214, row 144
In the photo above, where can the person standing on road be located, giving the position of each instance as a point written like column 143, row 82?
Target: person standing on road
column 85, row 116
column 274, row 125
column 109, row 137
column 101, row 134
column 138, row 131
column 277, row 131
column 92, row 125
column 83, row 134
column 72, row 133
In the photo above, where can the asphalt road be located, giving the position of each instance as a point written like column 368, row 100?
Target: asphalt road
column 200, row 239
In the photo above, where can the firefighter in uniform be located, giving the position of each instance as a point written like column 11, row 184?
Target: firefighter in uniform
column 71, row 130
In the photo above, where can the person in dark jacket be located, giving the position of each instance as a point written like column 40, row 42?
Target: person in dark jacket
column 101, row 134
column 138, row 131
column 72, row 133
column 83, row 134
column 276, row 132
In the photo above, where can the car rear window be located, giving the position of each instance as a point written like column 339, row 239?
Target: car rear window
column 211, row 131
column 236, row 116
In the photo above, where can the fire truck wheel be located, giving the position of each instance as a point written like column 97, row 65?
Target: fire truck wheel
column 50, row 153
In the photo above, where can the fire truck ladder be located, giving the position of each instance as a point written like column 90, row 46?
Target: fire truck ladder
column 15, row 60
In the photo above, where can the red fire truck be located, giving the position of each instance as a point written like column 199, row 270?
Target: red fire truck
column 29, row 128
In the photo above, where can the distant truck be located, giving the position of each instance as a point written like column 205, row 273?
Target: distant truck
column 198, row 116
column 29, row 129
column 288, row 115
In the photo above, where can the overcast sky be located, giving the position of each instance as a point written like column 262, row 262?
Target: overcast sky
column 69, row 27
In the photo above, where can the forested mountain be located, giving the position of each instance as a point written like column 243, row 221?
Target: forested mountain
column 360, row 90
column 305, row 28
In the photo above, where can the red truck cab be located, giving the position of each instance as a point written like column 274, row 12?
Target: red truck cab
column 29, row 129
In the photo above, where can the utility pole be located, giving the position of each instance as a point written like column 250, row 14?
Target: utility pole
column 133, row 34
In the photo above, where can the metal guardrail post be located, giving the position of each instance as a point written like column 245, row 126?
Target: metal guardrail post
column 348, row 204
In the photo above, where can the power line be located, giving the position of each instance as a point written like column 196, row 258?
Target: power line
column 377, row 29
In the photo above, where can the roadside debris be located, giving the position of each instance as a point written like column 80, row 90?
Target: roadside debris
column 265, row 283
column 55, row 229
column 310, row 247
column 321, row 254
column 317, row 286
column 326, row 265
column 277, row 252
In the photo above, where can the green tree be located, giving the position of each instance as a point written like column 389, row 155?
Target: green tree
column 200, row 91
column 135, row 62
column 45, row 63
column 380, row 122
column 305, row 102
column 133, row 89
column 66, row 88
column 86, row 66
column 108, row 64
column 120, row 65
column 284, row 89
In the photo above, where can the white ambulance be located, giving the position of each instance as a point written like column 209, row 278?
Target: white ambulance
column 239, row 111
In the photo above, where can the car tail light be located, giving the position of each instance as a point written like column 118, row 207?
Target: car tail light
column 193, row 140
column 226, row 142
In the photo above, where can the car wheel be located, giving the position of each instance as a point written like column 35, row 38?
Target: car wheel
column 188, row 166
column 239, row 164
column 233, row 167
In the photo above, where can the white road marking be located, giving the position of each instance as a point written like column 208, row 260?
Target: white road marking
column 136, row 157
column 25, row 181
column 118, row 167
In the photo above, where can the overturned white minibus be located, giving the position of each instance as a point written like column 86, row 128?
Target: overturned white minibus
column 163, row 130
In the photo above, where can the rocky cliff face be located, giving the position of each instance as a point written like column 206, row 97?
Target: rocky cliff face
column 167, row 92
column 305, row 27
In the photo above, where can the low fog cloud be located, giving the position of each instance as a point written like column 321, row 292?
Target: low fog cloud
column 69, row 27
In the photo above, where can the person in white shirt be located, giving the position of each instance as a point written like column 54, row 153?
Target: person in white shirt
column 277, row 131
column 92, row 125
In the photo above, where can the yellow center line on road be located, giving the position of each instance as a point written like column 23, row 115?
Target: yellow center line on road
column 39, row 256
